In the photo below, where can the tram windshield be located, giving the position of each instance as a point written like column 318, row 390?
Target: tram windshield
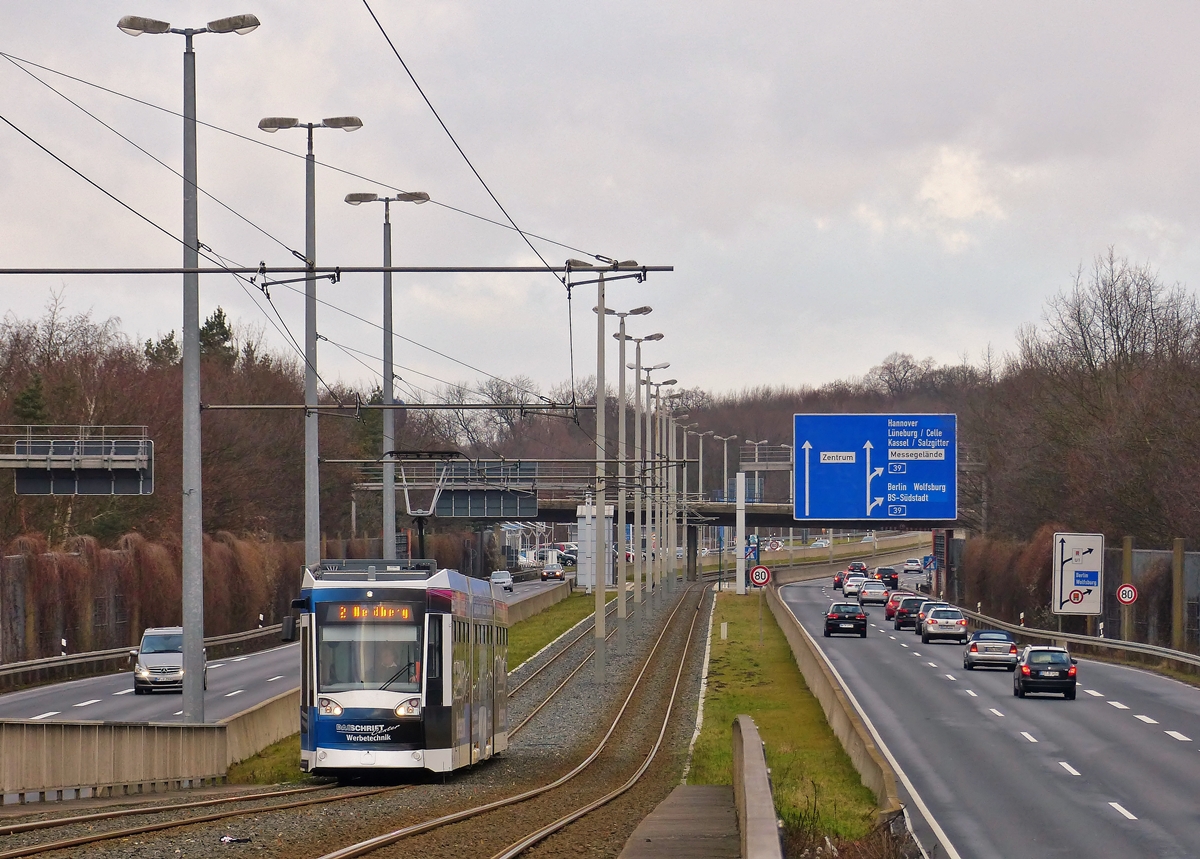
column 368, row 651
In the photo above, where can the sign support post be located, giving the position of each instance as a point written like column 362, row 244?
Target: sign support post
column 740, row 552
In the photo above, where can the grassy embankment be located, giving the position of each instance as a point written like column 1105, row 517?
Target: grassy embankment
column 817, row 790
column 281, row 762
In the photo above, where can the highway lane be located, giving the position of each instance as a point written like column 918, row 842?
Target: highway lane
column 1114, row 773
column 234, row 684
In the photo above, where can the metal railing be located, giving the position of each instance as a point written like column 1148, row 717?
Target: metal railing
column 1088, row 640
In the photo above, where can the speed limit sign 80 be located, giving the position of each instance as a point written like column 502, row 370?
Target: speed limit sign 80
column 760, row 576
column 1127, row 594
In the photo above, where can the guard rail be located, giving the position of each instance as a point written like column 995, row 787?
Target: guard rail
column 1189, row 659
column 33, row 672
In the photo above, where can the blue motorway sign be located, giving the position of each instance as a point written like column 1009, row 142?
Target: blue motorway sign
column 890, row 467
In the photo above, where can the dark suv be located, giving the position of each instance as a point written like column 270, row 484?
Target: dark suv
column 846, row 618
column 888, row 576
column 1045, row 669
column 906, row 612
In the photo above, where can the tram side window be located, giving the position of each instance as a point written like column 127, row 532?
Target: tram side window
column 433, row 670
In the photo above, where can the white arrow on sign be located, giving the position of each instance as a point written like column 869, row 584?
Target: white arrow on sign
column 871, row 475
column 807, row 447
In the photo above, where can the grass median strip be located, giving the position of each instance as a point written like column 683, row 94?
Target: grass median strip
column 816, row 788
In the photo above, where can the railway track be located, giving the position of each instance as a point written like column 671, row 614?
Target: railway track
column 478, row 816
column 324, row 794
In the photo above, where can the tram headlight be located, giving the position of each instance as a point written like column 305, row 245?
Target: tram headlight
column 411, row 707
column 328, row 707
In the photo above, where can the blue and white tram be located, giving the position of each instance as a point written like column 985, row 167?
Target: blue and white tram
column 404, row 667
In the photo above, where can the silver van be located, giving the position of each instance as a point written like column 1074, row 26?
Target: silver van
column 158, row 662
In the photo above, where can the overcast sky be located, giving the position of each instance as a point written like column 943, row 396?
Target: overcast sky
column 833, row 182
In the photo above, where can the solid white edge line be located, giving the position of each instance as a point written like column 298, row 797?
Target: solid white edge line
column 687, row 767
column 235, row 692
column 938, row 832
column 1068, row 768
column 1123, row 810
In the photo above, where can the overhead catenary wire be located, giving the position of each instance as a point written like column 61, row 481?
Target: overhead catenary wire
column 267, row 145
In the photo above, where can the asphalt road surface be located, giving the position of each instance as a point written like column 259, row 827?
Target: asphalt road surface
column 1115, row 773
column 234, row 685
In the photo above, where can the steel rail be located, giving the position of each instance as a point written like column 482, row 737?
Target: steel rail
column 93, row 837
column 51, row 823
column 370, row 845
column 549, row 829
column 556, row 656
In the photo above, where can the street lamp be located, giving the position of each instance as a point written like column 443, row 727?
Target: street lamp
column 672, row 495
column 621, row 337
column 725, row 440
column 654, row 513
column 312, row 474
column 389, row 398
column 193, row 510
column 639, row 483
column 700, row 468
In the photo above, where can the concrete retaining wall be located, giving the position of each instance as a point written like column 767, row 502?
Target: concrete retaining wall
column 877, row 775
column 540, row 601
column 251, row 731
column 752, row 793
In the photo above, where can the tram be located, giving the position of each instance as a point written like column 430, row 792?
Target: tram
column 404, row 666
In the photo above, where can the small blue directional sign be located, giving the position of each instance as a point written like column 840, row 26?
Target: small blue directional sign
column 897, row 467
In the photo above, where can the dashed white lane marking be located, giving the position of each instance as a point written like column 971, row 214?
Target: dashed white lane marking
column 1068, row 768
column 1029, row 736
column 902, row 644
column 1145, row 719
column 997, row 712
column 276, row 677
column 123, row 692
column 216, row 665
column 1123, row 810
column 87, row 703
column 46, row 715
column 1118, row 705
column 239, row 659
column 972, row 694
column 932, row 665
column 1093, row 693
column 1178, row 736
column 951, row 677
column 180, row 713
column 235, row 692
column 892, row 637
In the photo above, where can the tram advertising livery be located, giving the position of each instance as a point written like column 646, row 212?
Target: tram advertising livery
column 404, row 666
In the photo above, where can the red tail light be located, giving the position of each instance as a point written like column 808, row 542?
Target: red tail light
column 832, row 615
column 974, row 647
column 962, row 622
column 1071, row 671
column 860, row 616
column 1025, row 670
column 1012, row 650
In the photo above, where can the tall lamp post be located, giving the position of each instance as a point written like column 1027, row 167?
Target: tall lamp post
column 700, row 468
column 683, row 539
column 655, row 483
column 621, row 337
column 639, row 471
column 389, row 383
column 757, row 498
column 725, row 440
column 672, row 496
column 312, row 473
column 192, row 537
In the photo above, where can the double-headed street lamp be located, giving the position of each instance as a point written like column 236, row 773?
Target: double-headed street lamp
column 389, row 420
column 192, row 537
column 639, row 470
column 621, row 337
column 650, row 471
column 312, row 474
column 670, row 421
column 700, row 468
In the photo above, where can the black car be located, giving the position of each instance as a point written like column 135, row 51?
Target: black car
column 906, row 612
column 888, row 576
column 1045, row 669
column 846, row 618
column 838, row 578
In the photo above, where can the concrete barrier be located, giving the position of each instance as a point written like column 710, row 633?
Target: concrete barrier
column 752, row 793
column 251, row 731
column 542, row 600
column 874, row 770
column 49, row 759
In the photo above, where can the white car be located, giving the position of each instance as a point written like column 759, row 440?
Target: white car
column 852, row 585
column 502, row 579
column 819, row 544
column 913, row 565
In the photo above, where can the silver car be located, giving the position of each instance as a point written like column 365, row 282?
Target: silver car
column 872, row 590
column 943, row 622
column 923, row 613
column 158, row 661
column 502, row 579
column 990, row 647
column 852, row 585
